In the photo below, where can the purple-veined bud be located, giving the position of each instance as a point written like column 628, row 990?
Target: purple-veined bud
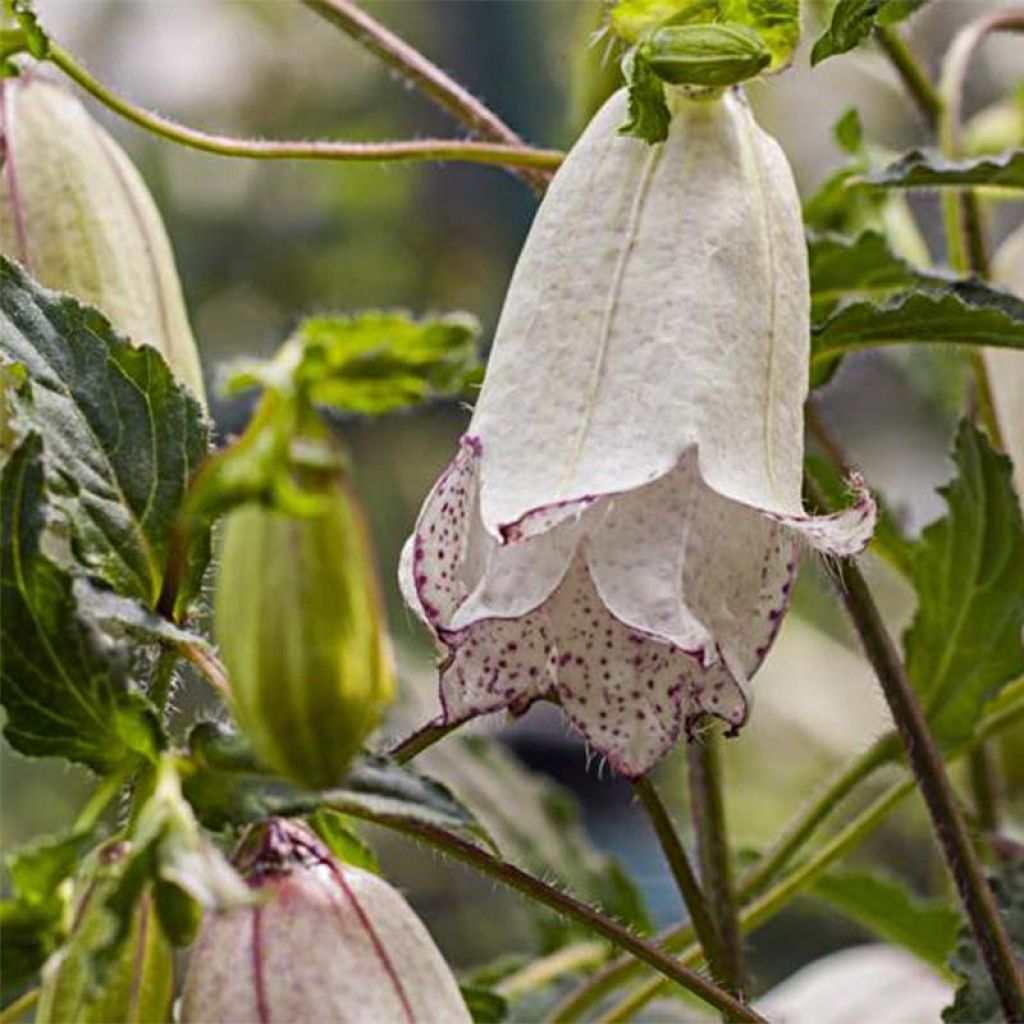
column 76, row 213
column 619, row 531
column 301, row 630
column 327, row 943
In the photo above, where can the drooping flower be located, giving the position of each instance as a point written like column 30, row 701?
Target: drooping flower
column 328, row 942
column 619, row 529
column 76, row 213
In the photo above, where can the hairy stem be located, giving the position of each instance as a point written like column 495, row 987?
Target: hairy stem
column 208, row 664
column 917, row 83
column 498, row 154
column 422, row 739
column 685, row 878
column 928, row 768
column 707, row 808
column 422, row 73
column 1008, row 711
column 568, row 906
column 163, row 678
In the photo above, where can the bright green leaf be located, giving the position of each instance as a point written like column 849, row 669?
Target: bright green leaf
column 631, row 20
column 853, row 21
column 976, row 1000
column 649, row 115
column 919, row 169
column 64, row 694
column 965, row 641
column 484, row 1004
column 338, row 835
column 927, row 928
column 91, row 390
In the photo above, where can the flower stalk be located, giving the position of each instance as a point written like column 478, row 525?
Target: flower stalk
column 496, row 154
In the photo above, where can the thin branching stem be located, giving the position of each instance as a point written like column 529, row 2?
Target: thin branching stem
column 913, row 76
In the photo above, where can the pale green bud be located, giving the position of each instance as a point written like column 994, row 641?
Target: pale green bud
column 301, row 630
column 706, row 55
column 76, row 213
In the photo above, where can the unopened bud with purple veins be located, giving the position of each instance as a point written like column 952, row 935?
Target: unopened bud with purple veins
column 76, row 213
column 327, row 943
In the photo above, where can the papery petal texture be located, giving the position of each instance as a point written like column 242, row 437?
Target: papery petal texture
column 620, row 529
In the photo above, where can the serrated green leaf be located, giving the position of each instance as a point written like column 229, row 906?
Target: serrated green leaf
column 957, row 312
column 713, row 55
column 226, row 787
column 920, row 169
column 65, row 696
column 965, row 641
column 853, row 21
column 861, row 267
column 976, row 1001
column 927, row 928
column 649, row 115
column 122, row 437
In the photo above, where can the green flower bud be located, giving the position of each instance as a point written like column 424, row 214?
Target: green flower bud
column 76, row 212
column 706, row 55
column 137, row 986
column 301, row 631
column 328, row 942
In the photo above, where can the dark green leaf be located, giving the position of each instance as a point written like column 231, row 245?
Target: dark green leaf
column 976, row 1001
column 919, row 169
column 862, row 267
column 965, row 641
column 485, row 1005
column 122, row 616
column 927, row 928
column 122, row 437
column 958, row 312
column 706, row 55
column 227, row 787
column 853, row 21
column 649, row 115
column 375, row 362
column 64, row 694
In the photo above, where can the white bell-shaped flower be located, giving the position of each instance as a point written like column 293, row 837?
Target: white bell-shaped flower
column 619, row 529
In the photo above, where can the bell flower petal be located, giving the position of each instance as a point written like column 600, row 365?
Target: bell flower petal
column 620, row 529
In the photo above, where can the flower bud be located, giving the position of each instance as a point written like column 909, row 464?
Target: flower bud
column 327, row 943
column 76, row 213
column 137, row 986
column 301, row 631
column 706, row 55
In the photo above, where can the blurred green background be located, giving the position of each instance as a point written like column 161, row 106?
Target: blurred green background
column 261, row 245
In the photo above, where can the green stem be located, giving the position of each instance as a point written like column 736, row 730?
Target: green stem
column 568, row 906
column 985, row 789
column 1008, row 712
column 22, row 1004
column 498, row 154
column 163, row 678
column 107, row 789
column 707, row 808
column 202, row 658
column 928, row 768
column 422, row 73
column 911, row 73
column 539, row 973
column 422, row 739
column 685, row 878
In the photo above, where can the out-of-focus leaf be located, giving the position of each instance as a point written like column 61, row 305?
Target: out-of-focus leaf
column 853, row 21
column 960, row 312
column 375, row 789
column 649, row 115
column 927, row 928
column 920, row 169
column 32, row 922
column 122, row 437
column 65, row 695
column 965, row 641
column 373, row 363
column 485, row 1005
column 976, row 1001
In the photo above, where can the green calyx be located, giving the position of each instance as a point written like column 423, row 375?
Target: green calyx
column 705, row 55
